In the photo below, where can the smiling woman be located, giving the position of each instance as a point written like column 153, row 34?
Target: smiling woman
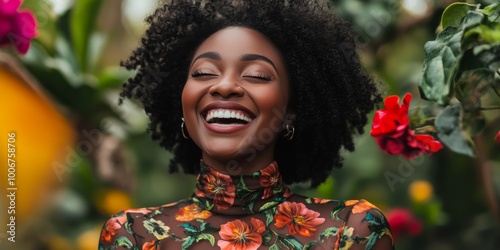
column 243, row 91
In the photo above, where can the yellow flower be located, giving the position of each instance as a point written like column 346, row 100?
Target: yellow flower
column 111, row 201
column 420, row 191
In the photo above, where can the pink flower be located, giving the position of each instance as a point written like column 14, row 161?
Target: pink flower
column 403, row 223
column 16, row 27
column 391, row 130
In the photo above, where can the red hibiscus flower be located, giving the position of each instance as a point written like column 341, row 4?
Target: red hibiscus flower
column 497, row 137
column 16, row 27
column 238, row 235
column 298, row 218
column 109, row 230
column 391, row 130
column 403, row 223
column 217, row 186
column 269, row 178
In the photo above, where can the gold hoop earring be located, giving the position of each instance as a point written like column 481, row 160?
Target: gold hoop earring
column 290, row 131
column 182, row 129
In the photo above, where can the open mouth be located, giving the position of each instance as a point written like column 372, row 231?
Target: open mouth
column 227, row 117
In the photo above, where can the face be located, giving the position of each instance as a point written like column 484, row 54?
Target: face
column 235, row 99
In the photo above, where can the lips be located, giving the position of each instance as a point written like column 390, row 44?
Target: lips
column 227, row 114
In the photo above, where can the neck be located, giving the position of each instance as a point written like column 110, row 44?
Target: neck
column 239, row 194
column 248, row 163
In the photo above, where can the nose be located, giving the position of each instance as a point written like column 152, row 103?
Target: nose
column 227, row 87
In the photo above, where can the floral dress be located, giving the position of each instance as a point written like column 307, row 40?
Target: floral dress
column 255, row 211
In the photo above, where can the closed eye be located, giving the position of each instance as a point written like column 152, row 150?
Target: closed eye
column 199, row 73
column 260, row 77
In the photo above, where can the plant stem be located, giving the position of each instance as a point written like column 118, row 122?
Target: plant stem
column 425, row 129
column 485, row 175
column 490, row 108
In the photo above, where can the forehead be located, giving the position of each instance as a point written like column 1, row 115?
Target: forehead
column 235, row 41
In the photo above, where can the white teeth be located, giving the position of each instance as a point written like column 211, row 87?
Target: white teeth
column 225, row 113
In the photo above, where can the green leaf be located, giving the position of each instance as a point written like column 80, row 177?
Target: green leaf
column 208, row 237
column 331, row 231
column 471, row 86
column 270, row 215
column 189, row 241
column 268, row 205
column 309, row 245
column 493, row 12
column 454, row 13
column 274, row 247
column 475, row 123
column 113, row 77
column 267, row 238
column 448, row 126
column 290, row 242
column 123, row 241
column 190, row 230
column 440, row 65
column 82, row 23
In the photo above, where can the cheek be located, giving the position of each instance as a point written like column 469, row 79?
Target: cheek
column 275, row 100
column 190, row 96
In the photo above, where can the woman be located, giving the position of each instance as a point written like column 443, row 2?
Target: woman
column 245, row 86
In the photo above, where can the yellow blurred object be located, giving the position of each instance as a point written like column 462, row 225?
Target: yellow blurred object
column 112, row 201
column 88, row 240
column 59, row 242
column 421, row 191
column 33, row 136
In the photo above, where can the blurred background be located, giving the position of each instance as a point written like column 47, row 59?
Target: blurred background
column 82, row 158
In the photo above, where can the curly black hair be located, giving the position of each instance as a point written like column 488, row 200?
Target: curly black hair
column 331, row 93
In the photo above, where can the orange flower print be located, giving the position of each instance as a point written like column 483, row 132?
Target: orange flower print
column 269, row 179
column 217, row 186
column 151, row 245
column 359, row 205
column 298, row 218
column 109, row 230
column 238, row 235
column 191, row 212
column 320, row 201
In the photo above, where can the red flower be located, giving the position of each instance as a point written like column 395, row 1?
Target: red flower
column 298, row 218
column 391, row 130
column 109, row 230
column 217, row 186
column 403, row 223
column 269, row 178
column 238, row 235
column 497, row 137
column 16, row 27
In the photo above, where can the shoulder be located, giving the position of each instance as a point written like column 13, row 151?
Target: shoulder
column 366, row 225
column 128, row 228
column 356, row 224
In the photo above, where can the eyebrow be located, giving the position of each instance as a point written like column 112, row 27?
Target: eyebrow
column 253, row 57
column 209, row 55
column 245, row 58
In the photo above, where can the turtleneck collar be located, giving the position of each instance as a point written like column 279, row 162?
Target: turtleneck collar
column 239, row 194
